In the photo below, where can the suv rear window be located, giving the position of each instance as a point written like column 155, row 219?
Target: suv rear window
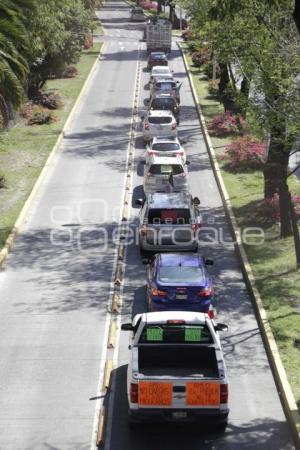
column 177, row 334
column 160, row 120
column 165, row 86
column 166, row 169
column 163, row 103
column 158, row 216
column 165, row 146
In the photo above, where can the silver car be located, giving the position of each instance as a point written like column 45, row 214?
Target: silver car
column 169, row 222
column 158, row 123
column 166, row 85
column 165, row 174
column 137, row 15
column 165, row 146
column 160, row 72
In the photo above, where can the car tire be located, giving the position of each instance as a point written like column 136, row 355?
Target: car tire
column 221, row 427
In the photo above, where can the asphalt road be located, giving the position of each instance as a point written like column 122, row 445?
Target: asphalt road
column 55, row 286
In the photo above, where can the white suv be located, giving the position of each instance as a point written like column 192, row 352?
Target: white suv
column 165, row 174
column 158, row 123
column 165, row 146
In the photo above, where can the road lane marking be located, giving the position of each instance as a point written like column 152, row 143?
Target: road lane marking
column 115, row 296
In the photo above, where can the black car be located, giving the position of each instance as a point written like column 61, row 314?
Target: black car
column 165, row 102
column 157, row 59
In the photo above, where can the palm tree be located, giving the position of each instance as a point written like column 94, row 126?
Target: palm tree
column 13, row 43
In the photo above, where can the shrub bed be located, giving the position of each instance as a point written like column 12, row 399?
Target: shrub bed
column 244, row 154
column 268, row 211
column 40, row 116
column 226, row 124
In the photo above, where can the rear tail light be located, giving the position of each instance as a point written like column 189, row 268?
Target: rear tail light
column 176, row 321
column 205, row 293
column 174, row 126
column 195, row 226
column 179, row 154
column 144, row 230
column 157, row 293
column 150, row 152
column 146, row 126
column 211, row 313
column 224, row 393
column 134, row 393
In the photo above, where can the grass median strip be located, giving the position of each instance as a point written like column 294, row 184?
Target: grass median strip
column 24, row 149
column 273, row 262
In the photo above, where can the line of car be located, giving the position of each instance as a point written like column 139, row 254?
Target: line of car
column 177, row 371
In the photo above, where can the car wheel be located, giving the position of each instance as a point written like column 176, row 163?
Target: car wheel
column 221, row 427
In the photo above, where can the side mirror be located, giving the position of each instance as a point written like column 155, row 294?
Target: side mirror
column 182, row 141
column 188, row 163
column 209, row 262
column 127, row 327
column 221, row 327
column 143, row 161
column 145, row 261
column 138, row 201
column 196, row 201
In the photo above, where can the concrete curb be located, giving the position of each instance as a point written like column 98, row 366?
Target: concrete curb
column 283, row 386
column 28, row 202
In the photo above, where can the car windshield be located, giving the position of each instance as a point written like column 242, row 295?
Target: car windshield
column 157, row 216
column 165, row 146
column 159, row 120
column 177, row 333
column 182, row 274
column 166, row 169
column 163, row 103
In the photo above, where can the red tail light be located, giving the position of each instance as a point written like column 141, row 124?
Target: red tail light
column 150, row 152
column 196, row 226
column 179, row 154
column 224, row 393
column 211, row 313
column 144, row 230
column 146, row 126
column 157, row 293
column 174, row 126
column 205, row 293
column 134, row 393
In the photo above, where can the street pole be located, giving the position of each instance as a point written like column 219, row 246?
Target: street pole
column 180, row 18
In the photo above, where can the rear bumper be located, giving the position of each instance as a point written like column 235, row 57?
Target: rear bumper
column 178, row 307
column 190, row 246
column 203, row 416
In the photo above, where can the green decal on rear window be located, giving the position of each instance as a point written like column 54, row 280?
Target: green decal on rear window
column 192, row 334
column 154, row 334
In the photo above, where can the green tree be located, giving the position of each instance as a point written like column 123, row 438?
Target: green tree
column 13, row 47
column 56, row 39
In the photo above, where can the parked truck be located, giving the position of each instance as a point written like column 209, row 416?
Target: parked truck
column 177, row 370
column 158, row 35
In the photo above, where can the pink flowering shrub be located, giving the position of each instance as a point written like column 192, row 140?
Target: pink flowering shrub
column 225, row 124
column 244, row 154
column 268, row 211
column 147, row 4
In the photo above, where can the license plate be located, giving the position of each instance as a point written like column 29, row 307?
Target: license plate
column 179, row 415
column 181, row 296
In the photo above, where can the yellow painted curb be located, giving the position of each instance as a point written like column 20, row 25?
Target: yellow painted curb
column 107, row 373
column 24, row 211
column 279, row 373
column 112, row 335
column 101, row 428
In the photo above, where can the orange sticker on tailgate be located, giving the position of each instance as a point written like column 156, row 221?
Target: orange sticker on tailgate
column 152, row 393
column 203, row 394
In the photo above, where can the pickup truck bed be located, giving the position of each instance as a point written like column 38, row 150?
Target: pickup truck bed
column 157, row 360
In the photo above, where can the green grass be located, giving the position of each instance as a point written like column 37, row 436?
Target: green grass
column 273, row 263
column 24, row 149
